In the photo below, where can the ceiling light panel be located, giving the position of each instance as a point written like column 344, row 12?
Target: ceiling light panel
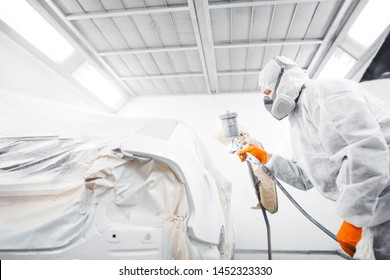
column 96, row 84
column 21, row 17
column 338, row 65
column 372, row 21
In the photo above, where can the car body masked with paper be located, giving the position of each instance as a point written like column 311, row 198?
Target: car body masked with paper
column 78, row 184
column 340, row 138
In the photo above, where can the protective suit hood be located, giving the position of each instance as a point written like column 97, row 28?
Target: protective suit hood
column 286, row 79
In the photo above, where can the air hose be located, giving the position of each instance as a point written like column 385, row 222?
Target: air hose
column 310, row 218
column 256, row 183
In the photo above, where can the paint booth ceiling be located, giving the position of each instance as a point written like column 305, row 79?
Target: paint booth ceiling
column 167, row 47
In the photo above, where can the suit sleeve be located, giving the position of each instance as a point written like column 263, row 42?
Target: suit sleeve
column 289, row 172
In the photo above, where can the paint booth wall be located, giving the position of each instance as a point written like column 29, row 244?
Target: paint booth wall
column 22, row 72
column 290, row 229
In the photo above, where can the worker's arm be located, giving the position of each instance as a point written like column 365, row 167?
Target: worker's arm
column 283, row 169
column 289, row 171
column 351, row 136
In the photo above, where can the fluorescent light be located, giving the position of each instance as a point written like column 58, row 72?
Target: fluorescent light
column 338, row 65
column 371, row 22
column 21, row 17
column 92, row 80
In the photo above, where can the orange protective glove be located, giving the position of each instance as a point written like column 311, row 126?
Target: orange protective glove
column 348, row 236
column 258, row 153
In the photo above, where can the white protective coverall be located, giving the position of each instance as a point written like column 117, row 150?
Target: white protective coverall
column 340, row 137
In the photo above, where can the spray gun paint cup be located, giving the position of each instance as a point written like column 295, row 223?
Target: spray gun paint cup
column 229, row 124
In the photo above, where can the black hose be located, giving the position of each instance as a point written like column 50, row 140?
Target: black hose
column 256, row 186
column 310, row 218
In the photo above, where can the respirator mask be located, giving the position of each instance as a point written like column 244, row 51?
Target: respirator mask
column 282, row 104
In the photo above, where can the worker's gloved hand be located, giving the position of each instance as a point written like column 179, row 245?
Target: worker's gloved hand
column 258, row 153
column 348, row 236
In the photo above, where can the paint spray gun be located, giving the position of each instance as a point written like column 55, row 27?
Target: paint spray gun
column 264, row 184
column 239, row 139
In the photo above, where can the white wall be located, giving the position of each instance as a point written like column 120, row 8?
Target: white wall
column 21, row 72
column 290, row 230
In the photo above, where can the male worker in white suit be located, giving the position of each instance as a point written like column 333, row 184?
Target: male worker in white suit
column 340, row 138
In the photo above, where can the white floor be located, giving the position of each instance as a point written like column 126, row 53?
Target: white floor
column 289, row 255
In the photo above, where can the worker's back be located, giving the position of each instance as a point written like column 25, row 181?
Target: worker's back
column 341, row 135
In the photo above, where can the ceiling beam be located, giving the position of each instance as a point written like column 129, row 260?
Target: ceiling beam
column 242, row 92
column 268, row 43
column 127, row 12
column 163, row 76
column 149, row 50
column 336, row 33
column 194, row 74
column 201, row 21
column 217, row 5
column 241, row 72
column 238, row 72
